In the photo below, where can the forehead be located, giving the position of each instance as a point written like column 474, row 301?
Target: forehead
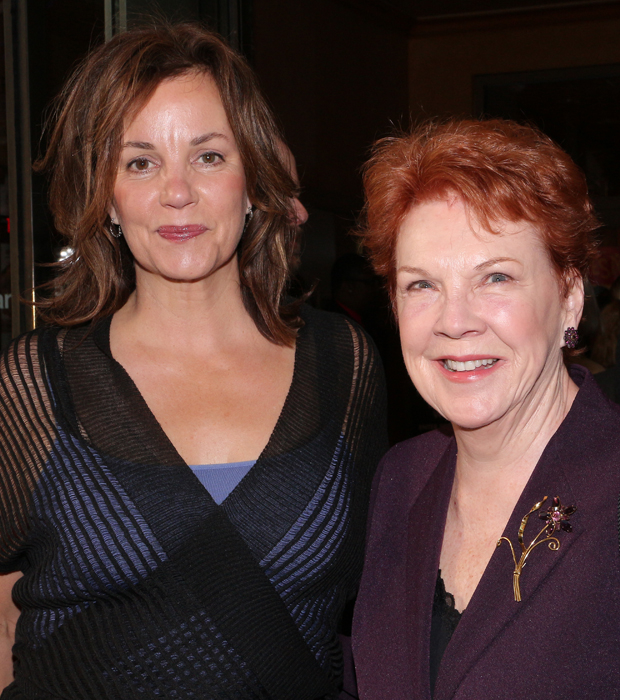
column 445, row 232
column 188, row 99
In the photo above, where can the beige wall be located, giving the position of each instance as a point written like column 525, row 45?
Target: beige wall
column 445, row 56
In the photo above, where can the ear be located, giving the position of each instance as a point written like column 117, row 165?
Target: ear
column 574, row 300
column 112, row 213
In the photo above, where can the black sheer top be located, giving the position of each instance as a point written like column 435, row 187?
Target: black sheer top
column 136, row 583
column 445, row 619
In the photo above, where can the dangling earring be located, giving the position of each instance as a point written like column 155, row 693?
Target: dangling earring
column 119, row 230
column 248, row 217
column 571, row 337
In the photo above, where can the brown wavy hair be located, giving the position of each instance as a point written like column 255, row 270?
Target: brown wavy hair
column 105, row 92
column 502, row 170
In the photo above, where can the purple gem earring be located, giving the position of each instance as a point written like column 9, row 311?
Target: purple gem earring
column 571, row 337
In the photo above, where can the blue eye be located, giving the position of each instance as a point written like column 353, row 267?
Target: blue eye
column 420, row 284
column 498, row 277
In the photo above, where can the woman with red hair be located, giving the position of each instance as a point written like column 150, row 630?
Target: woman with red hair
column 484, row 230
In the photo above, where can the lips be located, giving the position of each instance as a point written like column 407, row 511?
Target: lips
column 181, row 233
column 469, row 368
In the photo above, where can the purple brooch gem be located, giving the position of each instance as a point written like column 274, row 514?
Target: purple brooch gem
column 557, row 517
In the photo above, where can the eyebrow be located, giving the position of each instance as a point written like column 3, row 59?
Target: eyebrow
column 413, row 270
column 208, row 137
column 146, row 146
column 142, row 145
column 494, row 261
column 482, row 266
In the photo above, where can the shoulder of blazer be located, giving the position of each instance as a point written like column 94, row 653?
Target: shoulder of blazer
column 403, row 472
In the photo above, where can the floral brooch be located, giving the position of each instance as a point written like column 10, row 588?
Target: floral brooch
column 556, row 518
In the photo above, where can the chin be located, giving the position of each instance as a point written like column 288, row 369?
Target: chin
column 469, row 423
column 186, row 273
column 468, row 415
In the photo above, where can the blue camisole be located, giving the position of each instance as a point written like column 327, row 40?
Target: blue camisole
column 221, row 479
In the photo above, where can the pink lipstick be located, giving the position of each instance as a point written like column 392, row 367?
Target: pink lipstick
column 181, row 233
column 467, row 368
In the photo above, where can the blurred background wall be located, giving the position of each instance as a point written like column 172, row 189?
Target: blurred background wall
column 339, row 74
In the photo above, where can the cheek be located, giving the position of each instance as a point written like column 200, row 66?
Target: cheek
column 133, row 204
column 529, row 323
column 228, row 192
column 409, row 340
column 509, row 317
column 415, row 325
column 415, row 343
column 417, row 316
column 415, row 309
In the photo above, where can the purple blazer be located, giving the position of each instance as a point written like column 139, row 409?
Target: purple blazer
column 562, row 640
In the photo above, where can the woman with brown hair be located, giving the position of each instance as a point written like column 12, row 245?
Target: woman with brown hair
column 185, row 456
column 492, row 568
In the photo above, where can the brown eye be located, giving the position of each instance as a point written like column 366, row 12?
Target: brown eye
column 210, row 158
column 139, row 164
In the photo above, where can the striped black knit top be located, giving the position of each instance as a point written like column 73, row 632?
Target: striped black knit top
column 136, row 583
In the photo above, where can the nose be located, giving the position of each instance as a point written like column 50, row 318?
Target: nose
column 301, row 213
column 177, row 189
column 458, row 317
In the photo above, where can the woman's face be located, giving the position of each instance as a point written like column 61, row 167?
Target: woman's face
column 180, row 194
column 481, row 315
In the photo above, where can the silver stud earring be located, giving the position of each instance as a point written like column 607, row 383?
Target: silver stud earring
column 119, row 231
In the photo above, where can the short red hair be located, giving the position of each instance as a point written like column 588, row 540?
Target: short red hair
column 501, row 170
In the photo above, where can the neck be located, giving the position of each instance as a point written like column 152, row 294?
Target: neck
column 205, row 314
column 500, row 457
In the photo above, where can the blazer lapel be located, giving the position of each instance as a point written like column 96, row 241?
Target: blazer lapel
column 427, row 520
column 493, row 606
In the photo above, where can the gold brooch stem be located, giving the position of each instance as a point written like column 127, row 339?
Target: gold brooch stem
column 553, row 544
column 516, row 587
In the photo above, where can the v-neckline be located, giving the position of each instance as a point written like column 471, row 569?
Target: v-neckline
column 548, row 478
column 101, row 335
column 216, row 563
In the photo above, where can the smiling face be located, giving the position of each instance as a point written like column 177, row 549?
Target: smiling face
column 481, row 315
column 180, row 194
